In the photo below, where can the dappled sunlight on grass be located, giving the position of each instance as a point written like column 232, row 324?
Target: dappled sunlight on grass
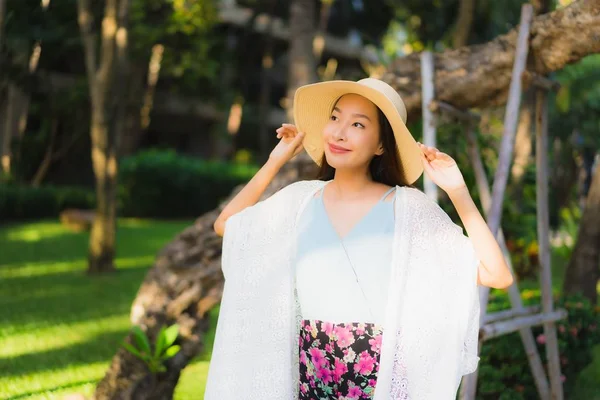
column 32, row 232
column 60, row 327
column 62, row 376
column 54, row 337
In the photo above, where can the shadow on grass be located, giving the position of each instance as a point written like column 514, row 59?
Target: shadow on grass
column 68, row 297
column 97, row 348
column 54, row 389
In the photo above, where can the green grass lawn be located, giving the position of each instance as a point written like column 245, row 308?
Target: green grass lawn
column 60, row 328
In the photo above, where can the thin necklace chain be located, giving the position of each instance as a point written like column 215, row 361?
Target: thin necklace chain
column 357, row 282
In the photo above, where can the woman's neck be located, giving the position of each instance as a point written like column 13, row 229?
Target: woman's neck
column 350, row 184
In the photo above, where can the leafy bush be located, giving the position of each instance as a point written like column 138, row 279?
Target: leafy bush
column 25, row 202
column 504, row 369
column 164, row 184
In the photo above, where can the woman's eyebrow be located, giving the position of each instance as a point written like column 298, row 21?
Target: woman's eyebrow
column 354, row 115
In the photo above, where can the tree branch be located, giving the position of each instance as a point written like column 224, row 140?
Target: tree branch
column 479, row 76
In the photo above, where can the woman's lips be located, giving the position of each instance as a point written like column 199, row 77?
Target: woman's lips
column 337, row 150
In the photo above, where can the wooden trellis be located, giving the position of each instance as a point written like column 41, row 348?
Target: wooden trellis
column 518, row 318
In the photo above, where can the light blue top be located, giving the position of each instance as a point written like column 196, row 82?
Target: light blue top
column 325, row 282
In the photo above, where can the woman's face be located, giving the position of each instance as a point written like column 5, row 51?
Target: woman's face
column 353, row 126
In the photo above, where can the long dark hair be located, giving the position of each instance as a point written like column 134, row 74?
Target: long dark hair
column 385, row 168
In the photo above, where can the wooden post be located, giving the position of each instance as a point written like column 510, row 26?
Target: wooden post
column 508, row 136
column 541, row 129
column 428, row 88
column 469, row 387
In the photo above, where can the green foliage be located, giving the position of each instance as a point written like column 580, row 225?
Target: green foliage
column 25, row 202
column 505, row 372
column 184, row 29
column 164, row 184
column 163, row 348
column 576, row 106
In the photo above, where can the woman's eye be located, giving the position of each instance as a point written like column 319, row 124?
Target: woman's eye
column 333, row 118
column 358, row 125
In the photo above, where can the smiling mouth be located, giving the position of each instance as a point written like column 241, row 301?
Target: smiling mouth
column 336, row 149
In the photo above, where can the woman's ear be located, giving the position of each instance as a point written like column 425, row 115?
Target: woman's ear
column 379, row 150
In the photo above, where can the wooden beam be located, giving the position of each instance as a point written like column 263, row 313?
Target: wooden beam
column 269, row 25
column 510, row 313
column 504, row 327
column 514, row 294
column 543, row 232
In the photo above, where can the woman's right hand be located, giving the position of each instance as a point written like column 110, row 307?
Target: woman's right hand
column 290, row 144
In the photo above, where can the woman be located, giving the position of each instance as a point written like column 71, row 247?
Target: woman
column 354, row 285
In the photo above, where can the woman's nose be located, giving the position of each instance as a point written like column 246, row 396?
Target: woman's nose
column 339, row 133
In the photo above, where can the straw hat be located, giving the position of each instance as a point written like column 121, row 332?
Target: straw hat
column 314, row 103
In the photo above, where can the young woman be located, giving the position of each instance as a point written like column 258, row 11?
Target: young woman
column 365, row 254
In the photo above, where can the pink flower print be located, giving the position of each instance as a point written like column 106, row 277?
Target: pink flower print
column 376, row 343
column 365, row 364
column 324, row 374
column 354, row 392
column 339, row 369
column 372, row 382
column 360, row 329
column 304, row 387
column 329, row 348
column 344, row 336
column 303, row 358
column 327, row 327
column 541, row 339
column 317, row 357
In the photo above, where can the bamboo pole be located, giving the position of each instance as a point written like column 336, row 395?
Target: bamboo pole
column 535, row 363
column 511, row 313
column 504, row 327
column 429, row 130
column 541, row 130
column 504, row 159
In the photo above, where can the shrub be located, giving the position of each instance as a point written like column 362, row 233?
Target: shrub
column 164, row 184
column 504, row 369
column 25, row 202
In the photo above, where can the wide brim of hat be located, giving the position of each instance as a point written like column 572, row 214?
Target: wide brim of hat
column 312, row 109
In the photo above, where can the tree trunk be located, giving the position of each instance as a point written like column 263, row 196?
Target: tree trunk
column 301, row 68
column 583, row 271
column 463, row 75
column 2, row 14
column 464, row 21
column 106, row 94
column 140, row 101
column 186, row 279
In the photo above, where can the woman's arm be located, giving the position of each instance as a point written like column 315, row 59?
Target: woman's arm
column 442, row 169
column 249, row 195
column 493, row 270
column 289, row 145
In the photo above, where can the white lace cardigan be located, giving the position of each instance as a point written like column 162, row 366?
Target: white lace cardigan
column 432, row 316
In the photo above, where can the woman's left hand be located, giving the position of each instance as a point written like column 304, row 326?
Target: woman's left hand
column 441, row 169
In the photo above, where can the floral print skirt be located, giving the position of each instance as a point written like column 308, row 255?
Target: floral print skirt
column 338, row 361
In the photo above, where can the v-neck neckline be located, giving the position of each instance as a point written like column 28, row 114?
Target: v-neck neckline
column 357, row 223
